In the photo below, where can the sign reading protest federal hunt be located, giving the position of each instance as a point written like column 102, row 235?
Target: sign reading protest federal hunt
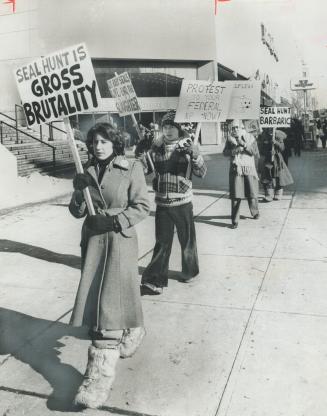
column 203, row 101
column 58, row 85
column 245, row 100
column 122, row 90
column 275, row 117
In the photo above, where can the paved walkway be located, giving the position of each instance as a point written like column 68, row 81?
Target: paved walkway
column 245, row 339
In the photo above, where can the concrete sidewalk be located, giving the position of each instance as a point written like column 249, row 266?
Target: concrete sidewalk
column 246, row 338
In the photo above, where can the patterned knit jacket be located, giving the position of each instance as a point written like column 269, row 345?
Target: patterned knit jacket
column 173, row 173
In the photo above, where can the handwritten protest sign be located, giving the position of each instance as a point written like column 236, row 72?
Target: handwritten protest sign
column 275, row 117
column 58, row 85
column 245, row 100
column 122, row 90
column 203, row 101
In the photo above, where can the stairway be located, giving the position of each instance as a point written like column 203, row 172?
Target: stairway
column 33, row 156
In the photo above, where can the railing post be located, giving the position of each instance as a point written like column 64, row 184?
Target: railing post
column 1, row 132
column 41, row 136
column 16, row 123
column 54, row 160
column 50, row 132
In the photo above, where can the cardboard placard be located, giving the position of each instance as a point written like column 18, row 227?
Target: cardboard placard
column 275, row 117
column 122, row 90
column 203, row 101
column 58, row 85
column 245, row 100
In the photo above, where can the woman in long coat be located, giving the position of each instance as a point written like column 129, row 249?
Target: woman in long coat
column 108, row 297
column 274, row 172
column 242, row 149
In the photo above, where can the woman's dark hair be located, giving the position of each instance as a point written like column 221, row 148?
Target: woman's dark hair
column 108, row 132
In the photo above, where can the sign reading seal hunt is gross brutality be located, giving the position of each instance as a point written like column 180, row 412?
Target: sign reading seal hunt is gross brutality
column 122, row 90
column 58, row 85
column 203, row 101
column 275, row 117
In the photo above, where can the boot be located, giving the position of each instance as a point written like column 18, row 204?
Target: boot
column 98, row 378
column 269, row 194
column 278, row 194
column 131, row 340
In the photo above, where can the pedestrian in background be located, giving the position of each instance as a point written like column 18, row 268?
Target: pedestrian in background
column 297, row 134
column 274, row 174
column 323, row 137
column 242, row 149
column 108, row 297
column 174, row 159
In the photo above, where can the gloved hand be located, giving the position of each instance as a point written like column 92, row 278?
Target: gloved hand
column 100, row 223
column 142, row 147
column 187, row 146
column 81, row 181
column 237, row 150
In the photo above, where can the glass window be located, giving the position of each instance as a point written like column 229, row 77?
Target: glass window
column 150, row 79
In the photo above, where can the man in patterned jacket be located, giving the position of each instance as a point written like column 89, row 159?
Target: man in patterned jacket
column 173, row 159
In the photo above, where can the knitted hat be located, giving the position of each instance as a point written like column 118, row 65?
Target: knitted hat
column 169, row 118
column 280, row 135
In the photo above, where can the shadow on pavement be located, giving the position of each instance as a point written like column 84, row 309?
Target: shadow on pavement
column 9, row 246
column 208, row 220
column 35, row 342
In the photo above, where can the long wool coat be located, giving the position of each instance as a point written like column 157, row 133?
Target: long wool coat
column 241, row 186
column 108, row 296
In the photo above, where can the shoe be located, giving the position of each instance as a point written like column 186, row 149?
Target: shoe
column 150, row 289
column 98, row 378
column 188, row 279
column 256, row 216
column 131, row 340
column 235, row 225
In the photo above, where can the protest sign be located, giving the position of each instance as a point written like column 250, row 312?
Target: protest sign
column 58, row 85
column 245, row 100
column 203, row 101
column 122, row 90
column 275, row 117
column 252, row 126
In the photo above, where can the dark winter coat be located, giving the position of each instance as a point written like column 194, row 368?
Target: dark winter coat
column 273, row 165
column 108, row 296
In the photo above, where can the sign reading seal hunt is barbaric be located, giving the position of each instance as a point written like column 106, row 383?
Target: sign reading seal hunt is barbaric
column 58, row 85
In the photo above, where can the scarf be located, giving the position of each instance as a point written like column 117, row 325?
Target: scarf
column 244, row 162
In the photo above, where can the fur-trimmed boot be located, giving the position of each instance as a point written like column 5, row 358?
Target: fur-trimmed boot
column 98, row 378
column 131, row 340
column 278, row 194
column 269, row 194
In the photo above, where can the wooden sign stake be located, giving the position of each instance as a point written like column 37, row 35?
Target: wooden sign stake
column 78, row 164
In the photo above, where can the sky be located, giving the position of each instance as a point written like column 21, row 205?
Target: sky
column 299, row 28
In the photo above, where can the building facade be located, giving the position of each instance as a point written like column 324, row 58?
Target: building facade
column 157, row 42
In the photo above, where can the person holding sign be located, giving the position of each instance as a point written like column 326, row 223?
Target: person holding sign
column 274, row 172
column 242, row 149
column 174, row 159
column 108, row 297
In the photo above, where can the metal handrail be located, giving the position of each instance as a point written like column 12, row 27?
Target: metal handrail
column 6, row 115
column 50, row 125
column 34, row 138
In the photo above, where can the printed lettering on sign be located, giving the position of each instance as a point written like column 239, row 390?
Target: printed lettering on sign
column 203, row 101
column 122, row 90
column 275, row 117
column 58, row 85
column 245, row 100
